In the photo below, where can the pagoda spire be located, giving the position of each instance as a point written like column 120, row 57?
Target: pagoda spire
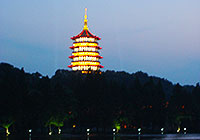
column 85, row 20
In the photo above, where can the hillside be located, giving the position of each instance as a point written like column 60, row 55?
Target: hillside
column 112, row 99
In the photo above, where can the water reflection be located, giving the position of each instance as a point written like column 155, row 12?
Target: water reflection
column 102, row 138
column 111, row 137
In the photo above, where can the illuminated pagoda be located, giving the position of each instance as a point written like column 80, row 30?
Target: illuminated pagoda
column 85, row 56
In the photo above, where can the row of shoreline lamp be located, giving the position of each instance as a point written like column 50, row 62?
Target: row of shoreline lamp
column 114, row 131
column 139, row 131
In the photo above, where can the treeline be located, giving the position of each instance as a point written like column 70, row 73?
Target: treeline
column 111, row 100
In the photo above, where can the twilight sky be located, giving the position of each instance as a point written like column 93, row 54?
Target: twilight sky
column 159, row 37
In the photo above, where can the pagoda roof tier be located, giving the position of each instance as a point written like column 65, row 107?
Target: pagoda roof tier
column 85, row 42
column 86, row 52
column 86, row 61
column 98, row 56
column 70, row 66
column 85, row 33
column 72, row 47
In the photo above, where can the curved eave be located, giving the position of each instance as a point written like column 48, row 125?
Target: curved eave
column 85, row 33
column 85, row 42
column 70, row 66
column 100, row 57
column 72, row 47
column 101, row 66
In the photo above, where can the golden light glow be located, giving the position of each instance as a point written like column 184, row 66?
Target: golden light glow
column 83, row 58
column 84, row 44
column 85, row 20
column 85, row 49
column 85, row 68
column 86, row 71
column 82, row 63
column 85, row 53
column 81, row 39
column 74, row 126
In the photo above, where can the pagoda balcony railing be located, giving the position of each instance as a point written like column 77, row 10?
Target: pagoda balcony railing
column 85, row 61
column 87, row 42
column 86, row 51
column 72, row 47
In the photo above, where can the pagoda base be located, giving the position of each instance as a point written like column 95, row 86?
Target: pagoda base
column 90, row 72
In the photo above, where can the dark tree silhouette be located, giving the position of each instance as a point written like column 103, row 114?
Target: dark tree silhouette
column 97, row 101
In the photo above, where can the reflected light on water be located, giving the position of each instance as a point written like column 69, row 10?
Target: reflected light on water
column 114, row 137
column 181, row 137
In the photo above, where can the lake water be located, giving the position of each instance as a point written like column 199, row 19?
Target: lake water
column 127, row 137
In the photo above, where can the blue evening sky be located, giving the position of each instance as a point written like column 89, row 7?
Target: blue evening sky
column 160, row 37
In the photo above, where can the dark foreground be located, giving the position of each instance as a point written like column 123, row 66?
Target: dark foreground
column 74, row 101
column 117, row 137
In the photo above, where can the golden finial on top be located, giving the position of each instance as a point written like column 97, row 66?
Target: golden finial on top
column 85, row 21
column 85, row 13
